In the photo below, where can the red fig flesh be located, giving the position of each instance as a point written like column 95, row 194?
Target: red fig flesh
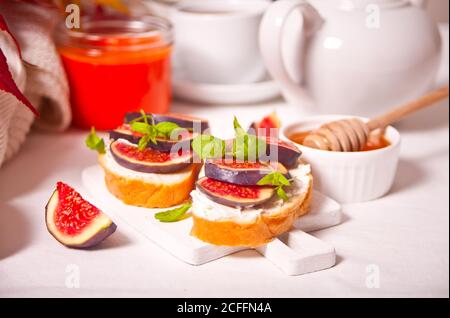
column 263, row 127
column 73, row 221
column 148, row 160
column 232, row 194
column 241, row 173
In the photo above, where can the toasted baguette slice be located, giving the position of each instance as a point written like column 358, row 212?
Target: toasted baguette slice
column 140, row 191
column 263, row 229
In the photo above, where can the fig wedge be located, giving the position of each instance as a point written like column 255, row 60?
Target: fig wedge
column 264, row 126
column 286, row 152
column 148, row 160
column 184, row 121
column 73, row 221
column 241, row 173
column 162, row 144
column 234, row 195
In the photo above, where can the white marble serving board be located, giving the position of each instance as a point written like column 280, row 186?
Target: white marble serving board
column 295, row 252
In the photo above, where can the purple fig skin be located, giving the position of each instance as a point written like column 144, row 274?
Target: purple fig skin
column 245, row 177
column 132, row 116
column 161, row 144
column 119, row 134
column 93, row 241
column 147, row 167
column 252, row 129
column 267, row 194
column 288, row 154
column 184, row 122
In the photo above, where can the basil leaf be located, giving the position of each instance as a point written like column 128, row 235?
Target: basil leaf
column 267, row 179
column 207, row 146
column 94, row 142
column 238, row 128
column 278, row 180
column 274, row 178
column 256, row 147
column 240, row 147
column 165, row 128
column 281, row 180
column 140, row 127
column 247, row 146
column 282, row 194
column 174, row 215
column 143, row 142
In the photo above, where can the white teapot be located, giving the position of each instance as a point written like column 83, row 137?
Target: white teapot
column 357, row 57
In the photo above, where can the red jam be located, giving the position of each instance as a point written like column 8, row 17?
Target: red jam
column 224, row 188
column 146, row 155
column 73, row 212
column 116, row 65
column 242, row 164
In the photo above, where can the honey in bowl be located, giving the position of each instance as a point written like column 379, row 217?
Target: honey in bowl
column 375, row 141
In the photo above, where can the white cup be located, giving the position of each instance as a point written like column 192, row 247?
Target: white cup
column 216, row 41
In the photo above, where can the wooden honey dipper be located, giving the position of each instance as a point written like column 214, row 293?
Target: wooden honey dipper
column 352, row 134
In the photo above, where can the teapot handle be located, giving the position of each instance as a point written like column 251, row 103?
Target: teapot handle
column 270, row 40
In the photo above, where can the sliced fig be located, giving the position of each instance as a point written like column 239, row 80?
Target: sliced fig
column 148, row 160
column 277, row 150
column 241, row 173
column 282, row 151
column 234, row 195
column 124, row 132
column 184, row 121
column 264, row 126
column 162, row 144
column 73, row 221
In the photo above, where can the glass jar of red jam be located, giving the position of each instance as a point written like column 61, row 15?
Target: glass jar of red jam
column 116, row 65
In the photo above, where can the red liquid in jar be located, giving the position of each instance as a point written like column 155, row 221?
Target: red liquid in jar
column 105, row 84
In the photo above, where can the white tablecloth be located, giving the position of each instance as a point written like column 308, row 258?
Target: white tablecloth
column 403, row 238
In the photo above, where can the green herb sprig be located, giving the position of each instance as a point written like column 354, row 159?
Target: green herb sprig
column 145, row 125
column 279, row 181
column 246, row 146
column 208, row 147
column 94, row 142
column 174, row 215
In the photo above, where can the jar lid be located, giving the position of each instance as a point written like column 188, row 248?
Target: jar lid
column 116, row 33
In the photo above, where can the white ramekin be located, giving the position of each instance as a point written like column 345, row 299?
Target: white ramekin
column 349, row 176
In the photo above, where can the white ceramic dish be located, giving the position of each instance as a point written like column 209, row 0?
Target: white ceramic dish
column 295, row 252
column 349, row 176
column 216, row 41
column 225, row 94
